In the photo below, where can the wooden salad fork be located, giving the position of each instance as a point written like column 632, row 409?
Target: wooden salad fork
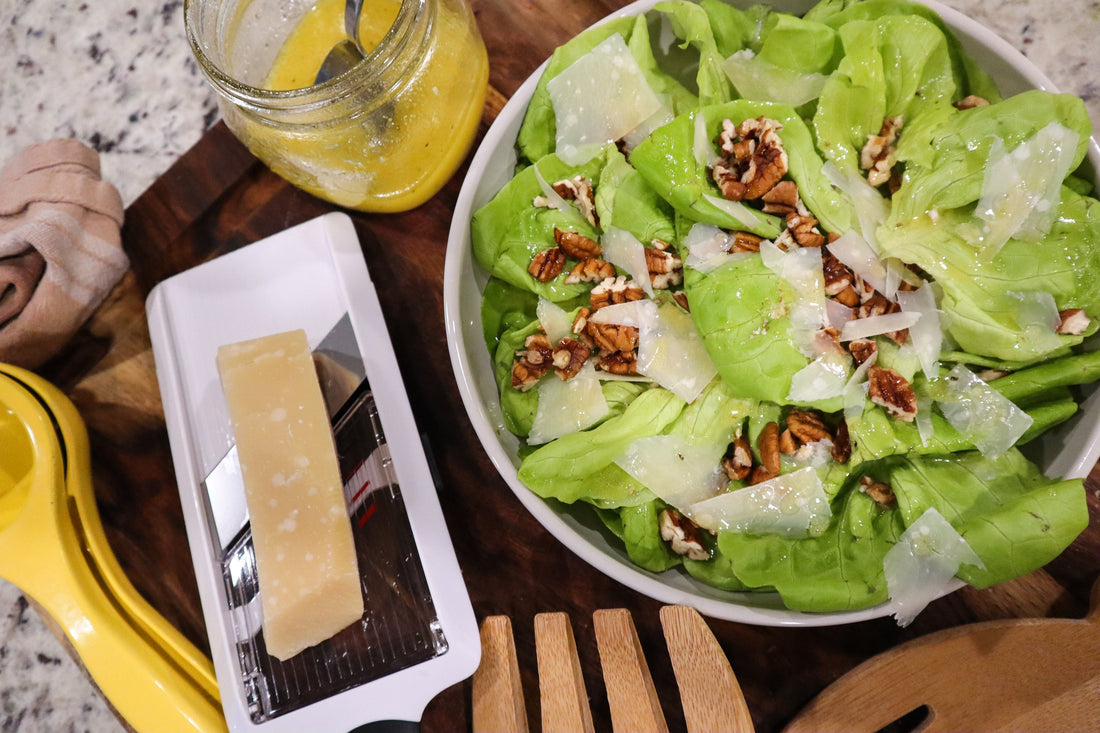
column 709, row 692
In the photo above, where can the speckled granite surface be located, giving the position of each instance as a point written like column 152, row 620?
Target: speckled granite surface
column 117, row 75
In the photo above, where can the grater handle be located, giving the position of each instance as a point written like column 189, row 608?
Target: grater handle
column 389, row 726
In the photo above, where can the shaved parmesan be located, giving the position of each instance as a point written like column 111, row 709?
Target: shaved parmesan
column 676, row 469
column 792, row 504
column 801, row 269
column 554, row 200
column 737, row 210
column 702, row 146
column 854, row 251
column 623, row 250
column 1037, row 316
column 838, row 313
column 659, row 118
column 920, row 566
column 855, row 391
column 925, row 334
column 761, row 81
column 598, row 99
column 1022, row 188
column 979, row 412
column 870, row 206
column 641, row 314
column 824, row 377
column 568, row 406
column 674, row 356
column 670, row 350
column 862, row 328
column 708, row 247
column 554, row 320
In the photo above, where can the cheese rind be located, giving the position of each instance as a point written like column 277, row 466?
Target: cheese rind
column 305, row 554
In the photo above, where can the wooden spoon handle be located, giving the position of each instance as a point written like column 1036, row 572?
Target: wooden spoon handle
column 709, row 691
column 562, row 692
column 497, row 688
column 631, row 695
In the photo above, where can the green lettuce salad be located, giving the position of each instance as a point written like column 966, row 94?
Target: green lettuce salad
column 783, row 299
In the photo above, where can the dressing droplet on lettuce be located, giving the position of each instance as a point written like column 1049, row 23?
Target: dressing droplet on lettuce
column 675, row 468
column 598, row 99
column 791, row 504
column 568, row 406
column 922, row 563
column 981, row 413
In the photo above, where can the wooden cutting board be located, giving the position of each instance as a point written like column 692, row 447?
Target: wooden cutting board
column 1008, row 675
column 217, row 198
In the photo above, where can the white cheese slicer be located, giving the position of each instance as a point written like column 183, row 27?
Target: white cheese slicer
column 418, row 634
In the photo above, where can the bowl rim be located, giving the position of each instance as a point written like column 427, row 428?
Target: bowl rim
column 459, row 268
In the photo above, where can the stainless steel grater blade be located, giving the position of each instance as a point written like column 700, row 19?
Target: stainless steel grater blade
column 399, row 627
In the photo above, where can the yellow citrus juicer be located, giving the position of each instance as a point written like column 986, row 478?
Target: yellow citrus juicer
column 52, row 546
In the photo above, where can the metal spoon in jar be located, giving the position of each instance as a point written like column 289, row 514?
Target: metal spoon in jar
column 348, row 52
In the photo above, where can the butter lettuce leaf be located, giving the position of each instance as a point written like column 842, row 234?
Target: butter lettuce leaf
column 666, row 159
column 1013, row 517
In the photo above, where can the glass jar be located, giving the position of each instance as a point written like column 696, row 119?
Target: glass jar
column 386, row 135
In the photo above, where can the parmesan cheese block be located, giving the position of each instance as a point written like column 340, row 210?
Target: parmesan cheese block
column 305, row 556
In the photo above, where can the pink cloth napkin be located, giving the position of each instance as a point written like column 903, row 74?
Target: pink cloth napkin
column 60, row 247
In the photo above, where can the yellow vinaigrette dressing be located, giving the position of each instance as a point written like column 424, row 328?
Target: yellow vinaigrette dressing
column 402, row 121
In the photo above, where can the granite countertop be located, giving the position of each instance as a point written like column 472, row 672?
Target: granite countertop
column 117, row 75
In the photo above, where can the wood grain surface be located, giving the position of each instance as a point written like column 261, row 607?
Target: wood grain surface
column 217, row 198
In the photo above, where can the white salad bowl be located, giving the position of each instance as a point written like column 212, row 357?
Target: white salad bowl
column 1070, row 450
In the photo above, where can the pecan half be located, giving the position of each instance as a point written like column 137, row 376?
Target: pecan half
column 682, row 535
column 882, row 493
column 971, row 101
column 532, row 362
column 862, row 350
column 754, row 161
column 1072, row 322
column 842, row 443
column 737, row 462
column 623, row 363
column 569, row 356
column 889, row 389
column 847, row 296
column 665, row 268
column 579, row 189
column 804, row 230
column 745, row 242
column 807, row 426
column 547, row 264
column 768, row 445
column 612, row 336
column 576, row 245
column 612, row 291
column 782, row 199
column 590, row 270
column 838, row 277
column 879, row 153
